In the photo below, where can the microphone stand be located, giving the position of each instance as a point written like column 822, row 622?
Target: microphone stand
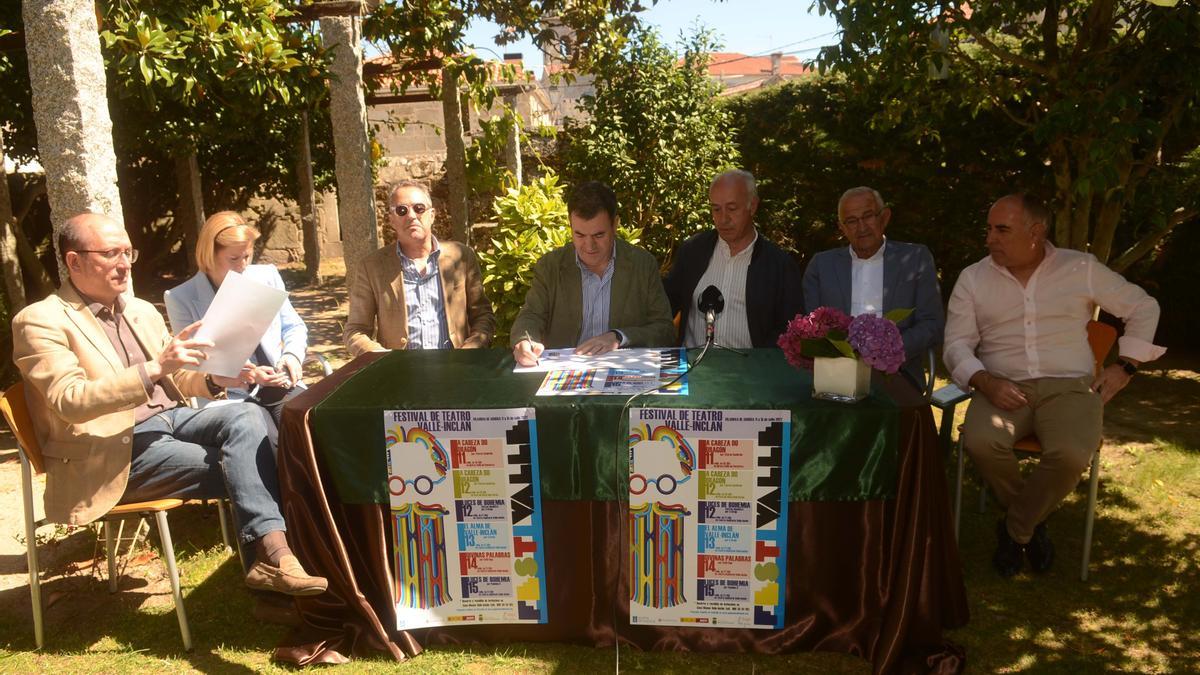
column 710, row 336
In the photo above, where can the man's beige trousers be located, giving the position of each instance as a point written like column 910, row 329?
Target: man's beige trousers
column 1066, row 416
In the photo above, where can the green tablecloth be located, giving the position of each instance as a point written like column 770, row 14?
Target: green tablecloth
column 838, row 451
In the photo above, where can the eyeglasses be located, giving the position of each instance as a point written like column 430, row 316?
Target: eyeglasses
column 402, row 209
column 853, row 221
column 112, row 254
column 422, row 484
column 665, row 483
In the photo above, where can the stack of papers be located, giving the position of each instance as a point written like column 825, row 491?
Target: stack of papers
column 621, row 372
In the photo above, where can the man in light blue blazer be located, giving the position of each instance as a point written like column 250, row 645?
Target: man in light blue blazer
column 875, row 275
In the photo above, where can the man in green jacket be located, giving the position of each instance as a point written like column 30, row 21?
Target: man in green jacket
column 595, row 294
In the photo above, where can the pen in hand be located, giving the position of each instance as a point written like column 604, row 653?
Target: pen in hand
column 537, row 361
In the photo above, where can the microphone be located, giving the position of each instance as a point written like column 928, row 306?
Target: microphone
column 712, row 303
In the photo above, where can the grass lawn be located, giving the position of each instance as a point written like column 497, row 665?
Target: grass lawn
column 1138, row 611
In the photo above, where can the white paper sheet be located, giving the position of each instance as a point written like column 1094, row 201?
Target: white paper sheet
column 236, row 321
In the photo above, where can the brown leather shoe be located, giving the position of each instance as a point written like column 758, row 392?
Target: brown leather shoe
column 289, row 578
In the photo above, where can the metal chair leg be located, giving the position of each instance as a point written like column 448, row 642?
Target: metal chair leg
column 958, row 482
column 31, row 555
column 224, row 518
column 1093, row 488
column 110, row 550
column 164, row 532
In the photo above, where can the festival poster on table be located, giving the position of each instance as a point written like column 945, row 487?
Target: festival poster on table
column 708, row 517
column 466, row 517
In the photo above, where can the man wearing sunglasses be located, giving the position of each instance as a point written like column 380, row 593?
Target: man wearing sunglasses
column 595, row 294
column 874, row 275
column 106, row 388
column 420, row 293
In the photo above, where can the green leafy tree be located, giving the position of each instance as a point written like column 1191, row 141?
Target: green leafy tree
column 655, row 132
column 1100, row 92
column 428, row 41
column 226, row 79
column 809, row 140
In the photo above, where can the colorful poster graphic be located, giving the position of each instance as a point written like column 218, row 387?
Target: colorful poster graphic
column 640, row 370
column 708, row 517
column 466, row 517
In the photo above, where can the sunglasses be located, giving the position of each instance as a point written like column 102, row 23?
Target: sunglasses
column 402, row 209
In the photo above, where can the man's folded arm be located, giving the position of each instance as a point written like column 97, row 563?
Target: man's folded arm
column 929, row 319
column 360, row 324
column 533, row 319
column 481, row 320
column 658, row 330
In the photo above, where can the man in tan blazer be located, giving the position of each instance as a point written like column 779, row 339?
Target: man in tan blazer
column 421, row 293
column 105, row 385
column 595, row 294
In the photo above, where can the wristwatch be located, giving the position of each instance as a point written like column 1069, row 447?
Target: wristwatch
column 1128, row 366
column 215, row 390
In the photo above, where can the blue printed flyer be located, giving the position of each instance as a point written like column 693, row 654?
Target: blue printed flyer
column 466, row 517
column 708, row 517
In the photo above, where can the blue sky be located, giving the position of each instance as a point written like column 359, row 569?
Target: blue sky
column 746, row 26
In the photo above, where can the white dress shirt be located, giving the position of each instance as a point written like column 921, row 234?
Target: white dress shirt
column 1040, row 329
column 728, row 273
column 866, row 283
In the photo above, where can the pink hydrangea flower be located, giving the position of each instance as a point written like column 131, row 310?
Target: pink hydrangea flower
column 811, row 326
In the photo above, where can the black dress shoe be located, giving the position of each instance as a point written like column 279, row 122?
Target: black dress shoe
column 1009, row 554
column 1040, row 550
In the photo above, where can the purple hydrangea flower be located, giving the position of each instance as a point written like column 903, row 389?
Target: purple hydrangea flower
column 877, row 341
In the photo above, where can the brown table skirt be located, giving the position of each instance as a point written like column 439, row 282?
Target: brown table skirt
column 890, row 608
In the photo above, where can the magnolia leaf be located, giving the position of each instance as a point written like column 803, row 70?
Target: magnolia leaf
column 899, row 314
column 843, row 347
column 1163, row 3
column 818, row 348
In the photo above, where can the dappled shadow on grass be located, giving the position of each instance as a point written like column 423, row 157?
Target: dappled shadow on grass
column 1136, row 612
column 1161, row 402
column 82, row 615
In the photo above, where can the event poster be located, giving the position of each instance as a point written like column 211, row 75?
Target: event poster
column 708, row 517
column 466, row 517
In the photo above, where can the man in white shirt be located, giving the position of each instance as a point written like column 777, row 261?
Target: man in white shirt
column 874, row 275
column 759, row 281
column 1017, row 334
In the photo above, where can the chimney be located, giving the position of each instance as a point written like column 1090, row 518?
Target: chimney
column 776, row 63
column 513, row 57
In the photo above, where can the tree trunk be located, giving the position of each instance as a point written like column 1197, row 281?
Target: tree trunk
column 70, row 110
column 10, row 266
column 189, row 210
column 351, row 145
column 308, row 204
column 512, row 141
column 456, row 158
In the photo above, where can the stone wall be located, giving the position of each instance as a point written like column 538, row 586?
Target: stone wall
column 279, row 222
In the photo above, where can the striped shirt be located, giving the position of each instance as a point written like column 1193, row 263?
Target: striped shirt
column 727, row 273
column 424, row 302
column 597, row 298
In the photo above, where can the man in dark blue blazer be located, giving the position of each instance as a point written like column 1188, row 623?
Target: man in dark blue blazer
column 876, row 275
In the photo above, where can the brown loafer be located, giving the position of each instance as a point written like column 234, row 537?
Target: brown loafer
column 288, row 578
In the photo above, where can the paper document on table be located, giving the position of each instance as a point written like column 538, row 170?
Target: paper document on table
column 236, row 321
column 668, row 377
column 633, row 358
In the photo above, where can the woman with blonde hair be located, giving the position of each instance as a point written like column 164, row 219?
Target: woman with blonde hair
column 226, row 244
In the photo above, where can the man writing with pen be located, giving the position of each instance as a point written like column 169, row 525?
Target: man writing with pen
column 597, row 293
